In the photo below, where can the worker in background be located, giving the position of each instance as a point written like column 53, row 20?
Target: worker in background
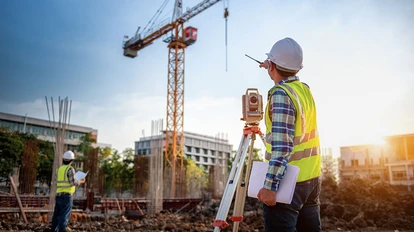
column 291, row 137
column 66, row 183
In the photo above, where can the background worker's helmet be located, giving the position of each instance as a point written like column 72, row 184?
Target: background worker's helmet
column 287, row 55
column 68, row 155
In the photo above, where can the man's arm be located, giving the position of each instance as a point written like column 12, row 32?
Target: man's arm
column 283, row 132
column 71, row 176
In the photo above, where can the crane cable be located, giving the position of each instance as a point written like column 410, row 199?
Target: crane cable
column 154, row 18
column 226, row 14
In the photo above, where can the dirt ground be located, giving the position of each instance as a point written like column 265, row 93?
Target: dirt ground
column 356, row 206
column 163, row 222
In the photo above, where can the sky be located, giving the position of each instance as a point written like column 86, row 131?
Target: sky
column 358, row 60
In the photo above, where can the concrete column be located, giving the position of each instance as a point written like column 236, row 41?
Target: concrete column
column 391, row 177
column 406, row 165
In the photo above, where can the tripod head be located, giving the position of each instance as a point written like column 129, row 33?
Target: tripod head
column 252, row 107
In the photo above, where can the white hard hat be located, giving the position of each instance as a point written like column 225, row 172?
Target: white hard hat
column 68, row 155
column 286, row 53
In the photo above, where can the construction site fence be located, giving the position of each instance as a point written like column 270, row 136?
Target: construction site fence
column 30, row 201
column 101, row 204
column 183, row 205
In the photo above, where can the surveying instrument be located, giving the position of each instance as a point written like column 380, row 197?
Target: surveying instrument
column 252, row 109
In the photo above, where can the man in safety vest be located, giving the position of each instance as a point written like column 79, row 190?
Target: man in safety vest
column 66, row 183
column 291, row 137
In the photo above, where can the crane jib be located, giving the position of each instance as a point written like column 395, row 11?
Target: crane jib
column 196, row 10
column 136, row 43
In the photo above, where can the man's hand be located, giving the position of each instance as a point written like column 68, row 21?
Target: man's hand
column 268, row 197
column 82, row 181
column 264, row 64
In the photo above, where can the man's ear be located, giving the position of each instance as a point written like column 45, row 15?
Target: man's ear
column 272, row 65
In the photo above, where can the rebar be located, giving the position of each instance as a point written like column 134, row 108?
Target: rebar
column 59, row 130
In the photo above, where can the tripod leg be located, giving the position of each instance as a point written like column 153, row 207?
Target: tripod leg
column 241, row 190
column 236, row 160
column 232, row 184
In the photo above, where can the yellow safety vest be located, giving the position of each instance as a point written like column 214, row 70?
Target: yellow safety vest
column 63, row 184
column 306, row 150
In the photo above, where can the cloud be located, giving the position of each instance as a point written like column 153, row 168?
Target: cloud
column 36, row 109
column 121, row 121
column 358, row 57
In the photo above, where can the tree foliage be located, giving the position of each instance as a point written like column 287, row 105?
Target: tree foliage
column 118, row 171
column 256, row 157
column 46, row 157
column 11, row 148
column 196, row 178
column 117, row 167
column 196, row 173
column 85, row 147
column 15, row 145
column 86, row 143
column 127, row 172
column 105, row 152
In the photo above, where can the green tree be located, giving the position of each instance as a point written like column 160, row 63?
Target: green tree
column 106, row 169
column 46, row 157
column 11, row 148
column 256, row 157
column 197, row 178
column 86, row 143
column 85, row 147
column 127, row 171
column 118, row 171
column 105, row 152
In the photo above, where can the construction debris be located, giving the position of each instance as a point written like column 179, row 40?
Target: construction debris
column 355, row 206
column 18, row 199
column 359, row 205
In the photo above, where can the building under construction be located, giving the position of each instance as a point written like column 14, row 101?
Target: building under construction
column 392, row 161
column 208, row 152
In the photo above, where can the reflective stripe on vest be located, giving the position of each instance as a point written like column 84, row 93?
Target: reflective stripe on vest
column 306, row 151
column 62, row 181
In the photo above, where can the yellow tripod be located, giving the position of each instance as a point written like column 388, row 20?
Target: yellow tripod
column 249, row 136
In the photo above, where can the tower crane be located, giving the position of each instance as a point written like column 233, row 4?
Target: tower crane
column 178, row 38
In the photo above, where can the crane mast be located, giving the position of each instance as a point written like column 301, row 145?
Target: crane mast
column 175, row 111
column 181, row 38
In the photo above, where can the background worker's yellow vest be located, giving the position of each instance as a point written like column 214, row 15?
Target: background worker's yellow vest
column 63, row 184
column 306, row 151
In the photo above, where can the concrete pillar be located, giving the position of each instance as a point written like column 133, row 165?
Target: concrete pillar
column 406, row 165
column 391, row 177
